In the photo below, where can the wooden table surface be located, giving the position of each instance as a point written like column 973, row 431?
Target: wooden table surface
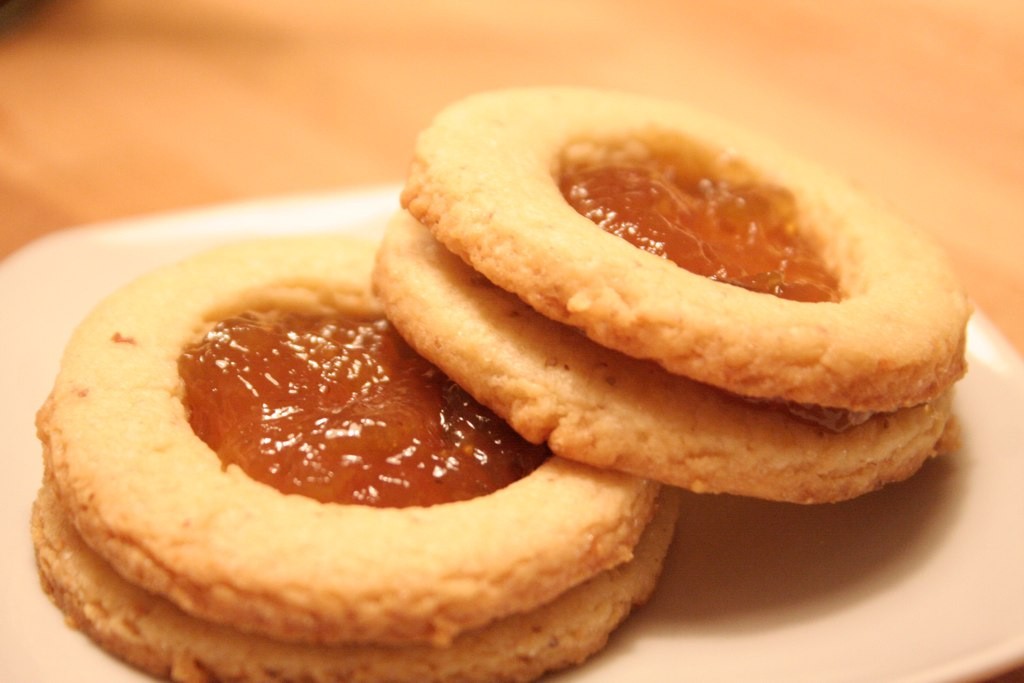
column 115, row 108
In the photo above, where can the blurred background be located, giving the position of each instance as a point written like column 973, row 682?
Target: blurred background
column 116, row 108
column 113, row 108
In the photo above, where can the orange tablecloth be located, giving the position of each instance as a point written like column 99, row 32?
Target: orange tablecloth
column 112, row 108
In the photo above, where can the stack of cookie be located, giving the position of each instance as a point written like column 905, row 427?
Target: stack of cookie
column 640, row 376
column 618, row 357
column 192, row 570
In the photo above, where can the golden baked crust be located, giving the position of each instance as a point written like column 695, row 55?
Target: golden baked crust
column 483, row 181
column 154, row 501
column 154, row 635
column 598, row 406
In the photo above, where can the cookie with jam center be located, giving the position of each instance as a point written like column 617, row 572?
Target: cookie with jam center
column 601, row 407
column 506, row 180
column 155, row 501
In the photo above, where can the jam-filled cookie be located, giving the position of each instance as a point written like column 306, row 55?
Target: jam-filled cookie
column 671, row 236
column 155, row 635
column 299, row 543
column 596, row 405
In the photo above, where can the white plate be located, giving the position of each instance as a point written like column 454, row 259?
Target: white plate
column 923, row 581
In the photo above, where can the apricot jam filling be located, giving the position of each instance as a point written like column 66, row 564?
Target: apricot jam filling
column 741, row 233
column 342, row 410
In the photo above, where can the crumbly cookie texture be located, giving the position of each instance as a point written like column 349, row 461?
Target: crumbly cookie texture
column 483, row 180
column 149, row 497
column 154, row 635
column 598, row 406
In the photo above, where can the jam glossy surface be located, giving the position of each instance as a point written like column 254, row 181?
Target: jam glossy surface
column 743, row 234
column 343, row 410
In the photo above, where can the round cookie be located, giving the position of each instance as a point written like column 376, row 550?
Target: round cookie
column 598, row 406
column 154, row 635
column 155, row 502
column 484, row 181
